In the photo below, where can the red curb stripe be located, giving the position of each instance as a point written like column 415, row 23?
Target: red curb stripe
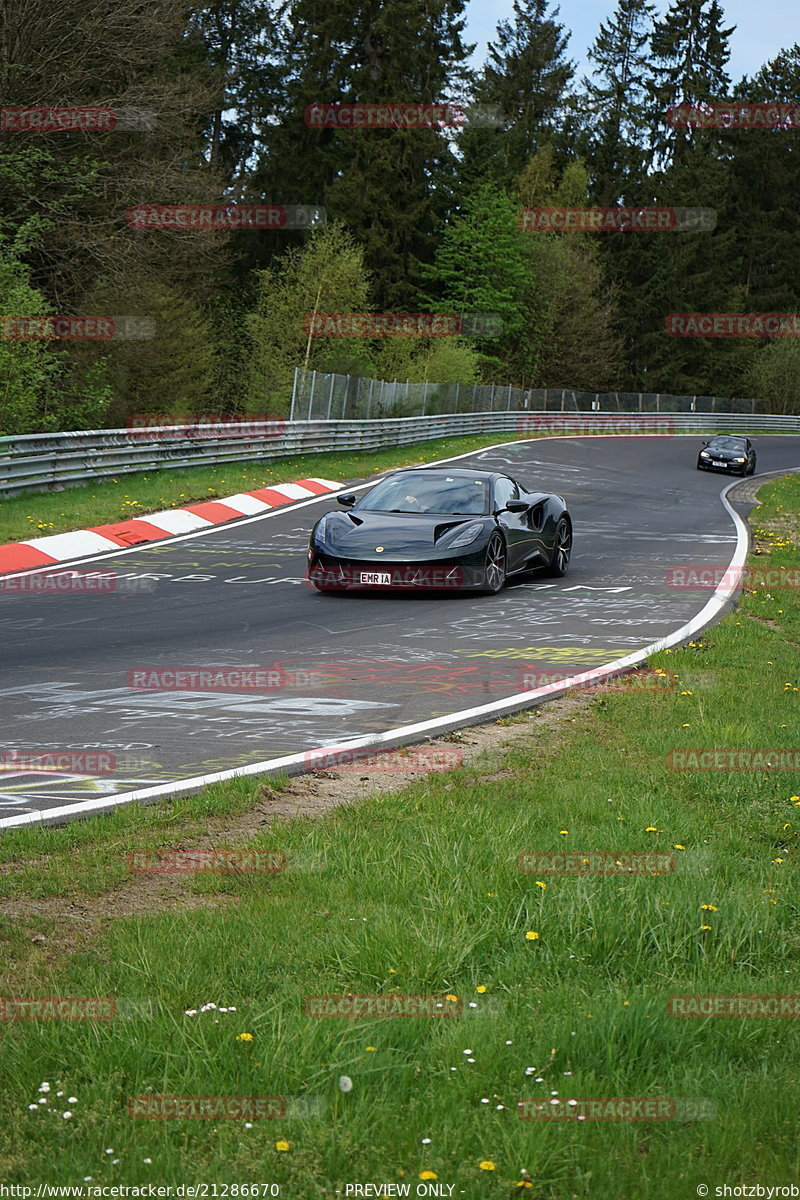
column 213, row 511
column 317, row 488
column 16, row 556
column 270, row 496
column 131, row 533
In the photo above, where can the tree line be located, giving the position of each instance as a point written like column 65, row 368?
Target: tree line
column 212, row 106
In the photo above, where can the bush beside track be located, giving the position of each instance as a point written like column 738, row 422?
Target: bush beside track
column 419, row 892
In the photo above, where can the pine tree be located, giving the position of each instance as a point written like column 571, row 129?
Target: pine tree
column 615, row 102
column 527, row 76
column 392, row 187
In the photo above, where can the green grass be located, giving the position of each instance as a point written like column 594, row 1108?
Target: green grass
column 42, row 513
column 419, row 892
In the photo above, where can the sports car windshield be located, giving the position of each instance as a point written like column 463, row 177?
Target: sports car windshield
column 418, row 493
column 728, row 443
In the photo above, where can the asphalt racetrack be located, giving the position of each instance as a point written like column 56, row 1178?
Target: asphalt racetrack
column 348, row 666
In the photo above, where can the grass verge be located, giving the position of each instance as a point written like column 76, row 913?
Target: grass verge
column 419, row 893
column 42, row 513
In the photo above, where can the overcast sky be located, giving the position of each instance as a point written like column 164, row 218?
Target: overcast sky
column 762, row 29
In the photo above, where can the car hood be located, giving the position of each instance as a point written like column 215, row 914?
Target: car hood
column 403, row 535
column 725, row 455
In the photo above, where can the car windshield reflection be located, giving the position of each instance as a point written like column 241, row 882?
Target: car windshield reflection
column 415, row 493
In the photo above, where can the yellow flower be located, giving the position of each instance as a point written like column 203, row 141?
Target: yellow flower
column 283, row 1145
column 678, row 846
column 625, row 1003
column 428, row 1175
column 709, row 907
column 524, row 1183
column 371, row 1047
column 563, row 831
column 491, row 893
column 532, row 935
column 705, row 926
column 652, row 829
column 244, row 1037
column 450, row 996
column 486, row 1164
column 541, row 885
column 777, row 860
column 481, row 988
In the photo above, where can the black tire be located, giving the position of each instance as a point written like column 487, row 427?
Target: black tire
column 494, row 567
column 562, row 549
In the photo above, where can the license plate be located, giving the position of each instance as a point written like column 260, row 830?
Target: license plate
column 716, row 463
column 376, row 577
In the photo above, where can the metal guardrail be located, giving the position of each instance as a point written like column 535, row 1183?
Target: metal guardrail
column 54, row 461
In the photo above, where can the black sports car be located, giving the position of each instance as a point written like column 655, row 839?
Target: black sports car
column 439, row 527
column 727, row 452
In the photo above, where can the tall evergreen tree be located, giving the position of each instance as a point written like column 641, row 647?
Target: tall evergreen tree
column 614, row 102
column 391, row 187
column 690, row 52
column 527, row 76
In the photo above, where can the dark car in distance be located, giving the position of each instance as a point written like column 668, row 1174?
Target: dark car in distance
column 439, row 527
column 728, row 452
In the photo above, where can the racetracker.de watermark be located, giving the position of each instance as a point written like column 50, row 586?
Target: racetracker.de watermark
column 57, row 1008
column 214, row 1108
column 50, row 583
column 225, row 217
column 703, row 576
column 391, row 575
column 421, row 758
column 634, row 681
column 558, row 218
column 721, row 325
column 359, row 1007
column 594, row 862
column 207, row 679
column 734, row 115
column 154, row 427
column 184, row 862
column 585, row 424
column 616, row 1108
column 363, row 117
column 381, row 325
column 710, row 759
column 755, row 1005
column 76, row 329
column 62, row 761
column 75, row 120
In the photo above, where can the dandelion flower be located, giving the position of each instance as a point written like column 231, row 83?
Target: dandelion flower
column 244, row 1037
column 282, row 1145
column 428, row 1175
column 532, row 935
column 486, row 1164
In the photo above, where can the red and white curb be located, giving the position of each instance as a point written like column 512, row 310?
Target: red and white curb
column 155, row 527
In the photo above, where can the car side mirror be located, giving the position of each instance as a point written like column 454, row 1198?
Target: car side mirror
column 706, row 443
column 517, row 506
column 348, row 500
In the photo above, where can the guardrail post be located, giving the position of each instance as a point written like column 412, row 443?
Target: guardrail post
column 311, row 396
column 330, row 397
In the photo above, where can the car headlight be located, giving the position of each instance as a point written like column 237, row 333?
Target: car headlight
column 319, row 533
column 468, row 534
column 704, row 454
column 740, row 460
